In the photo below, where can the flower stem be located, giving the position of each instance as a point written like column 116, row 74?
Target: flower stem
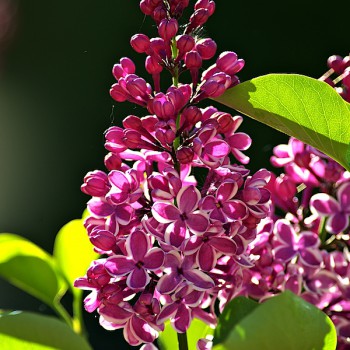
column 78, row 323
column 182, row 340
column 175, row 52
column 62, row 312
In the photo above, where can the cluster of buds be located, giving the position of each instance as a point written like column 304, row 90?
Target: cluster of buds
column 304, row 245
column 339, row 66
column 173, row 247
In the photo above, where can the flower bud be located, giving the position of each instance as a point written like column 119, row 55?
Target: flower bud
column 206, row 48
column 112, row 161
column 227, row 62
column 103, row 240
column 152, row 65
column 198, row 18
column 184, row 43
column 146, row 7
column 158, row 48
column 191, row 116
column 140, row 43
column 118, row 93
column 184, row 155
column 193, row 60
column 205, row 4
column 285, row 187
column 168, row 28
column 122, row 69
column 336, row 63
column 159, row 14
column 216, row 85
column 95, row 184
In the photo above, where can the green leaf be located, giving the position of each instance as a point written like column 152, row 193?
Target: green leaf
column 168, row 338
column 299, row 106
column 233, row 313
column 73, row 251
column 283, row 322
column 30, row 268
column 26, row 330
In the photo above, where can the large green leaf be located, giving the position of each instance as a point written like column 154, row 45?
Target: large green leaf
column 283, row 322
column 299, row 106
column 30, row 268
column 30, row 331
column 73, row 251
column 168, row 338
column 234, row 312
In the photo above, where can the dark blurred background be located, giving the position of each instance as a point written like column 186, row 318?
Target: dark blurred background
column 55, row 72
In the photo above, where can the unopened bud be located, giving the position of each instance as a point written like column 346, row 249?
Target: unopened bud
column 184, row 155
column 206, row 48
column 193, row 60
column 140, row 43
column 168, row 28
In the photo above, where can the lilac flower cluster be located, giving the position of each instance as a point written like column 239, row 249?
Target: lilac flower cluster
column 172, row 247
column 304, row 245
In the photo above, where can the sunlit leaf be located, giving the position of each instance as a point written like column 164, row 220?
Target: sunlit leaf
column 299, row 106
column 73, row 251
column 283, row 322
column 26, row 330
column 233, row 313
column 30, row 268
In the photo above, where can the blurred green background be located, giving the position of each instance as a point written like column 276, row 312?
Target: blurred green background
column 55, row 73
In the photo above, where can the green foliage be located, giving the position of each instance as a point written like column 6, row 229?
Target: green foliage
column 168, row 339
column 47, row 277
column 283, row 322
column 233, row 313
column 73, row 252
column 299, row 106
column 30, row 268
column 26, row 330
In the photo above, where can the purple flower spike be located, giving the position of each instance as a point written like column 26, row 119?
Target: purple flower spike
column 140, row 259
column 338, row 211
column 290, row 244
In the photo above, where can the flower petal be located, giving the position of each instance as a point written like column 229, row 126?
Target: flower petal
column 197, row 222
column 187, row 199
column 285, row 233
column 324, row 204
column 137, row 245
column 182, row 320
column 176, row 233
column 138, row 279
column 119, row 265
column 124, row 214
column 311, row 257
column 143, row 330
column 200, row 280
column 99, row 207
column 284, row 253
column 154, row 259
column 235, row 210
column 337, row 223
column 206, row 257
column 224, row 245
column 114, row 313
column 167, row 312
column 226, row 190
column 118, row 179
column 165, row 212
column 168, row 283
column 343, row 195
